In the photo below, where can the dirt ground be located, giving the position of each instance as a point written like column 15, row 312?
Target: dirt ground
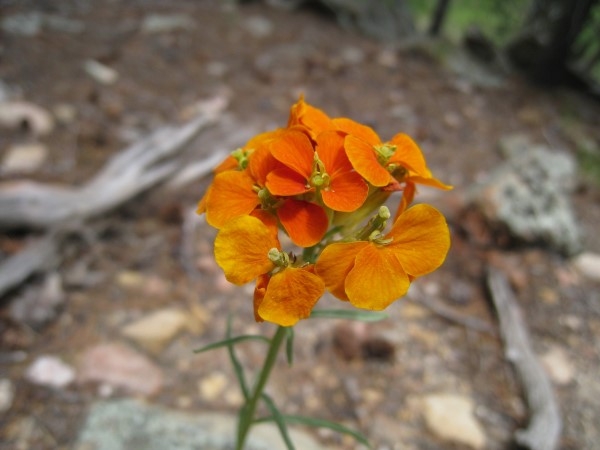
column 261, row 59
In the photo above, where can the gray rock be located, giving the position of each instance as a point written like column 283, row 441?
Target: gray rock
column 529, row 195
column 588, row 264
column 39, row 305
column 7, row 394
column 163, row 23
column 24, row 158
column 132, row 425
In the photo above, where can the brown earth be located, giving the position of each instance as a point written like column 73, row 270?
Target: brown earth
column 261, row 59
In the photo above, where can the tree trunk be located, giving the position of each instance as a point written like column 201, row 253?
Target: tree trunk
column 439, row 16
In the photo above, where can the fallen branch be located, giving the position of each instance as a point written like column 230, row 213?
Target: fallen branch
column 543, row 431
column 134, row 170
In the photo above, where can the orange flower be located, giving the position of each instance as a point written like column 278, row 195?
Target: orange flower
column 374, row 273
column 382, row 164
column 308, row 119
column 246, row 249
column 326, row 171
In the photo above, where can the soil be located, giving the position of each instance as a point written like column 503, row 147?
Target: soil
column 261, row 59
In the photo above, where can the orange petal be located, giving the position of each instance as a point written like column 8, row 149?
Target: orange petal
column 201, row 208
column 268, row 219
column 421, row 239
column 363, row 159
column 286, row 182
column 334, row 264
column 261, row 163
column 304, row 222
column 430, row 181
column 290, row 296
column 242, row 247
column 259, row 294
column 352, row 128
column 408, row 154
column 295, row 150
column 312, row 119
column 376, row 280
column 330, row 148
column 230, row 195
column 229, row 163
column 346, row 192
column 408, row 195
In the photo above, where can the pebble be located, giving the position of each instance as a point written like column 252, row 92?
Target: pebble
column 450, row 417
column 212, row 386
column 24, row 158
column 15, row 114
column 258, row 26
column 559, row 366
column 7, row 394
column 163, row 23
column 100, row 72
column 156, row 330
column 588, row 264
column 50, row 371
column 119, row 366
column 39, row 305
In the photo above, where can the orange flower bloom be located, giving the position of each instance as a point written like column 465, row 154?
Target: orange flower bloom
column 326, row 171
column 382, row 164
column 308, row 119
column 247, row 249
column 374, row 273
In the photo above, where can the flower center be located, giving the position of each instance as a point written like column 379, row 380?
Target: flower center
column 384, row 152
column 241, row 156
column 279, row 258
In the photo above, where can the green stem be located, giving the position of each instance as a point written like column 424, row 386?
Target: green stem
column 246, row 418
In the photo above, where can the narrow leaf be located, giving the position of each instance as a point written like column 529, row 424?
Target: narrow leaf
column 350, row 314
column 320, row 423
column 237, row 366
column 233, row 341
column 279, row 420
column 289, row 346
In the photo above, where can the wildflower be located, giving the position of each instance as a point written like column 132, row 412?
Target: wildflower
column 382, row 164
column 326, row 171
column 247, row 249
column 373, row 272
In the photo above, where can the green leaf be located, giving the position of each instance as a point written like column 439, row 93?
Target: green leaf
column 237, row 366
column 289, row 345
column 320, row 423
column 279, row 420
column 232, row 341
column 350, row 314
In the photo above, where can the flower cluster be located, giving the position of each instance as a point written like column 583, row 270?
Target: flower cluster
column 318, row 180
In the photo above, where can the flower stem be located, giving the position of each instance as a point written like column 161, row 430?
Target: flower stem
column 246, row 417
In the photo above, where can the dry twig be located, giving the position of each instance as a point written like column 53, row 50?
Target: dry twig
column 543, row 431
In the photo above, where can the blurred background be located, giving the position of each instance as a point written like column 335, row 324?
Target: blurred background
column 112, row 115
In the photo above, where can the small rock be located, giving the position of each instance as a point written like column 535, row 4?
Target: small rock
column 588, row 264
column 119, row 366
column 212, row 386
column 7, row 394
column 39, row 304
column 163, row 23
column 64, row 113
column 258, row 26
column 100, row 72
column 558, row 365
column 352, row 55
column 24, row 158
column 50, row 371
column 27, row 24
column 156, row 330
column 450, row 417
column 15, row 114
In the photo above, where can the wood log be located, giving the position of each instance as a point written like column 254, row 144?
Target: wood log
column 544, row 428
column 130, row 172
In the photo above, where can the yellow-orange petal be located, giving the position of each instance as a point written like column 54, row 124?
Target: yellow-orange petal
column 268, row 219
column 377, row 279
column 346, row 192
column 290, row 296
column 408, row 154
column 305, row 223
column 430, row 181
column 242, row 247
column 229, row 163
column 363, row 159
column 421, row 239
column 261, row 163
column 360, row 131
column 259, row 294
column 231, row 194
column 201, row 208
column 309, row 118
column 408, row 195
column 286, row 182
column 334, row 264
column 294, row 150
